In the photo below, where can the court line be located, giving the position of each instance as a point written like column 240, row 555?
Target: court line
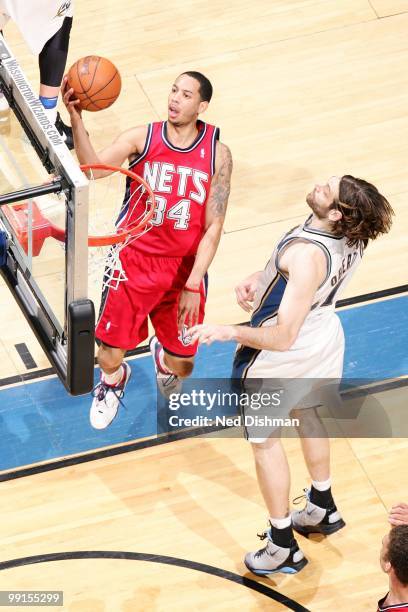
column 243, row 229
column 141, row 350
column 147, row 97
column 160, row 559
column 393, row 15
column 121, row 449
column 373, row 9
column 231, row 52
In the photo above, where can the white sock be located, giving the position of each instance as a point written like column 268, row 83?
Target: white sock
column 114, row 378
column 322, row 485
column 51, row 114
column 281, row 523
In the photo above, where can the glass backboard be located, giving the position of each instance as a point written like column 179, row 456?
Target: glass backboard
column 42, row 188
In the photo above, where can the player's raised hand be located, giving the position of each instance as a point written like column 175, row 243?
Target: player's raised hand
column 399, row 514
column 70, row 102
column 207, row 334
column 245, row 291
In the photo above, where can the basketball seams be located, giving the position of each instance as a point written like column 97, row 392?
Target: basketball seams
column 94, row 74
column 106, row 85
column 95, row 68
column 94, row 102
column 79, row 78
column 84, row 91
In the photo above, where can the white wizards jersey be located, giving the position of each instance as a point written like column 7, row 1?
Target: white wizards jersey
column 316, row 356
column 342, row 261
column 37, row 20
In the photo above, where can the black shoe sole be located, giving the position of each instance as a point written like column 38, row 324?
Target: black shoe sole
column 324, row 529
column 291, row 568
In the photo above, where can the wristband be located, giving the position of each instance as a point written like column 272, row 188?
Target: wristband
column 190, row 290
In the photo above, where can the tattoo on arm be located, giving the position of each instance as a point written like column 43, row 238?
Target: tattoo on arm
column 222, row 186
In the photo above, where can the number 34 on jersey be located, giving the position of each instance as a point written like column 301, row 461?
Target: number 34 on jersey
column 186, row 183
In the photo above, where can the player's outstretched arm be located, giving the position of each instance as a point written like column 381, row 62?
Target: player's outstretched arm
column 216, row 209
column 126, row 145
column 305, row 265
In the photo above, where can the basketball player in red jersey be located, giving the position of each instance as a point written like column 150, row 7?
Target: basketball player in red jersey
column 189, row 170
column 394, row 562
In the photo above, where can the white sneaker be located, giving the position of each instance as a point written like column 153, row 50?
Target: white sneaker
column 167, row 383
column 314, row 519
column 272, row 558
column 106, row 400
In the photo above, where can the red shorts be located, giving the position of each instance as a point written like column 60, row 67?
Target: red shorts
column 153, row 289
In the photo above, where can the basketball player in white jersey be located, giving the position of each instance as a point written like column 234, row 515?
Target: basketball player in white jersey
column 45, row 26
column 295, row 334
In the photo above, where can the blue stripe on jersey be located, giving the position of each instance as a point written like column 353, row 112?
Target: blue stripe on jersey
column 125, row 203
column 270, row 301
column 267, row 309
column 244, row 357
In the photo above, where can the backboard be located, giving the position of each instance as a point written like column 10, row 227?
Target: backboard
column 48, row 277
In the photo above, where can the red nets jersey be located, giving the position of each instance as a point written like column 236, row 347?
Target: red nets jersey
column 181, row 180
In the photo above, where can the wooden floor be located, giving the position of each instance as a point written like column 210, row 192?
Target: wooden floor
column 304, row 89
column 196, row 500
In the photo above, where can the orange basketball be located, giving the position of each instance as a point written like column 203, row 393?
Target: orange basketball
column 96, row 82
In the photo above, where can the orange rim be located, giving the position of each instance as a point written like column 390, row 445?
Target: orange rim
column 122, row 234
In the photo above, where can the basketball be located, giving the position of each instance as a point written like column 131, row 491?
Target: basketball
column 96, row 82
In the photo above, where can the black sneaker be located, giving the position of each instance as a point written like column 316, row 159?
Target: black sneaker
column 314, row 519
column 65, row 131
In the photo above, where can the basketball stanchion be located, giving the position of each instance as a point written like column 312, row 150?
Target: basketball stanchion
column 26, row 225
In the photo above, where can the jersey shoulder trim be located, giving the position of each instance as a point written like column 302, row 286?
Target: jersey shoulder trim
column 285, row 242
column 146, row 148
column 309, row 230
column 215, row 137
column 205, row 127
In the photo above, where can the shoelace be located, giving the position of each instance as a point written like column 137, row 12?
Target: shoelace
column 298, row 499
column 169, row 380
column 102, row 389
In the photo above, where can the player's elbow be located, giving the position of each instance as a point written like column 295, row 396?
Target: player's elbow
column 95, row 174
column 285, row 339
column 214, row 227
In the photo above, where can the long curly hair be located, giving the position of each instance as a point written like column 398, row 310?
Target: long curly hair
column 366, row 213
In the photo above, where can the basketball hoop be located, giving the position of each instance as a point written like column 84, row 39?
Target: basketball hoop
column 106, row 238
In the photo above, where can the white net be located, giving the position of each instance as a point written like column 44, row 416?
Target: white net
column 117, row 205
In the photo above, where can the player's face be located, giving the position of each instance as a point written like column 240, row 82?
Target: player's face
column 322, row 197
column 185, row 102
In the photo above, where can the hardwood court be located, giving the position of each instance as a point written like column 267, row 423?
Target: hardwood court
column 195, row 500
column 303, row 90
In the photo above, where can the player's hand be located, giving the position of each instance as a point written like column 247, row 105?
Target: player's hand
column 188, row 309
column 70, row 102
column 207, row 334
column 399, row 514
column 245, row 291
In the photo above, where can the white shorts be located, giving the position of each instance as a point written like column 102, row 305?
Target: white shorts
column 37, row 20
column 306, row 375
